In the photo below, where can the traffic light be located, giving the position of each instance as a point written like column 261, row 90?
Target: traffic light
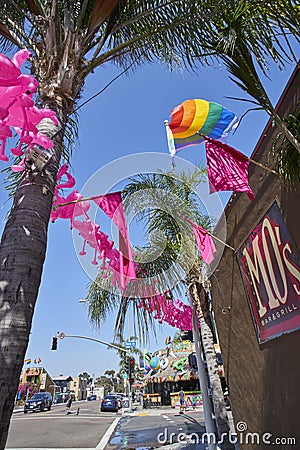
column 187, row 336
column 193, row 360
column 131, row 367
column 54, row 343
column 126, row 364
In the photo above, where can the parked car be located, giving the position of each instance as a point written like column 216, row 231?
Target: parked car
column 92, row 397
column 110, row 403
column 38, row 402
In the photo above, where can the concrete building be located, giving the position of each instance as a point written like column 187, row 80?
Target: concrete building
column 78, row 386
column 256, row 298
column 63, row 383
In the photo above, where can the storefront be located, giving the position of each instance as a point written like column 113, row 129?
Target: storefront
column 34, row 379
column 173, row 372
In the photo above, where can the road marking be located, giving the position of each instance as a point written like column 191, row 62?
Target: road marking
column 102, row 444
column 60, row 416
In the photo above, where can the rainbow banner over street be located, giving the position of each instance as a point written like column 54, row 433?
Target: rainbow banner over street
column 194, row 119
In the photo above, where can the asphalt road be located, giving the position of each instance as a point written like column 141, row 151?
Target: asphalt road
column 153, row 429
column 55, row 429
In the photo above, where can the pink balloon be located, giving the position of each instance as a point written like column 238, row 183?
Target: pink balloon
column 8, row 70
column 17, row 106
column 20, row 57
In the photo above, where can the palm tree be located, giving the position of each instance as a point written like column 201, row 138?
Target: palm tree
column 111, row 375
column 198, row 287
column 234, row 41
column 68, row 41
column 170, row 252
column 171, row 196
column 195, row 280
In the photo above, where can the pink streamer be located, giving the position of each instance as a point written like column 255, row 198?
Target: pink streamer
column 113, row 261
column 112, row 205
column 176, row 314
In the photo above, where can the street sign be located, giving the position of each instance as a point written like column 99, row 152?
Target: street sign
column 124, row 375
column 130, row 344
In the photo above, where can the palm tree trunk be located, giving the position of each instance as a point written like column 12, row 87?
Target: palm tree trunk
column 22, row 254
column 199, row 297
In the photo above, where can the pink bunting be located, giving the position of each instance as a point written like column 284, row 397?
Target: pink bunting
column 67, row 211
column 118, row 263
column 164, row 309
column 204, row 241
column 112, row 205
column 227, row 168
column 175, row 313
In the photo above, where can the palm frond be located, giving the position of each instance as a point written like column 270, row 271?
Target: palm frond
column 286, row 156
column 101, row 11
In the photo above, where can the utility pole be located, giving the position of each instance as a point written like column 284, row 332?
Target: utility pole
column 207, row 405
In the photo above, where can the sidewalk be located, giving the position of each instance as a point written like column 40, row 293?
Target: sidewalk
column 18, row 409
column 138, row 410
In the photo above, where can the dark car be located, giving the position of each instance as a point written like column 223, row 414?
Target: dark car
column 38, row 402
column 110, row 403
column 92, row 397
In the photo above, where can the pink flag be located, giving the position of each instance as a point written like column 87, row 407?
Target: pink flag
column 227, row 168
column 112, row 205
column 204, row 241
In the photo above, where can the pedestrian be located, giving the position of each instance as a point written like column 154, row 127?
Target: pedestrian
column 194, row 401
column 181, row 400
column 69, row 404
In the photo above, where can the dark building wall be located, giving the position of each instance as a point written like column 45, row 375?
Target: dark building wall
column 264, row 378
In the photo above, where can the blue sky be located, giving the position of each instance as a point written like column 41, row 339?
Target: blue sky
column 126, row 119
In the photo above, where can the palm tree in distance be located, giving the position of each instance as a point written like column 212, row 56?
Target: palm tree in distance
column 68, row 41
column 111, row 375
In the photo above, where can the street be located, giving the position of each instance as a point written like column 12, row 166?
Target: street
column 55, row 429
column 92, row 429
column 159, row 427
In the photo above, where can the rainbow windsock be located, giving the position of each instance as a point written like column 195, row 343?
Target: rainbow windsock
column 194, row 119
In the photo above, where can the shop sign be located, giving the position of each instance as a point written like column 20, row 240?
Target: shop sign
column 43, row 381
column 32, row 372
column 271, row 273
column 183, row 347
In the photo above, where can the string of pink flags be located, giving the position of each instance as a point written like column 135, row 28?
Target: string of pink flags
column 192, row 122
